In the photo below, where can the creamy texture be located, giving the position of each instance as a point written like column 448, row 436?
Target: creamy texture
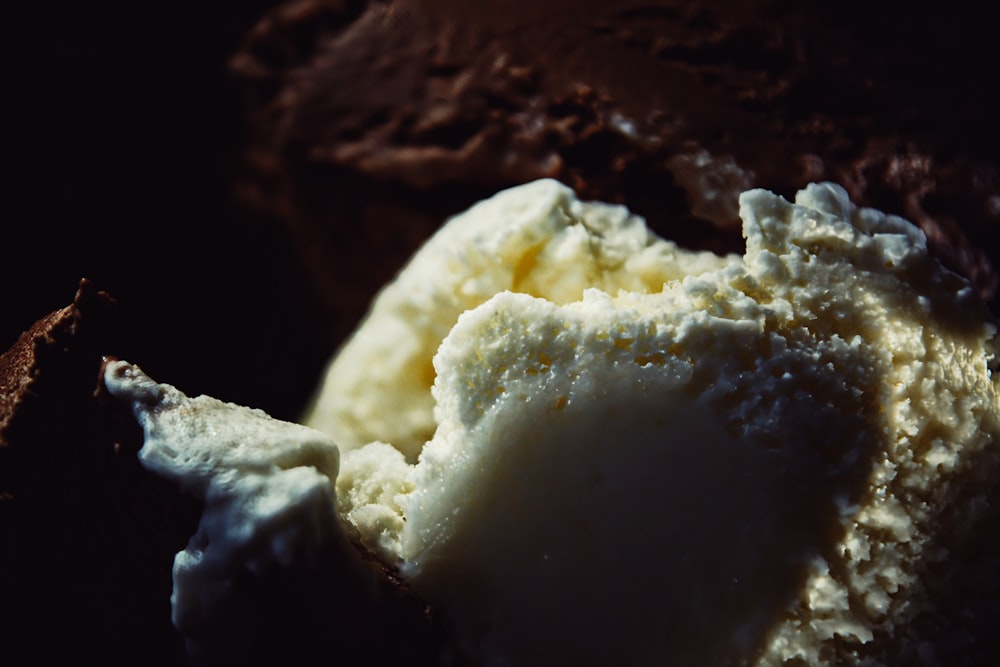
column 536, row 239
column 267, row 486
column 586, row 446
column 706, row 460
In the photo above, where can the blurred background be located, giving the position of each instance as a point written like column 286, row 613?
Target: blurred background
column 122, row 151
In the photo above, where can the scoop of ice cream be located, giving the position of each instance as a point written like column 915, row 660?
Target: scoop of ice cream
column 727, row 461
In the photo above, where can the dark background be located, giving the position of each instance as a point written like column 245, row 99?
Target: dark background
column 124, row 139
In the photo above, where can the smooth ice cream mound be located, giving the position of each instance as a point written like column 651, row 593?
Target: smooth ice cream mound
column 635, row 454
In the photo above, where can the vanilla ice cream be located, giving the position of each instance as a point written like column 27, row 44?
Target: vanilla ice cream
column 586, row 446
column 636, row 453
column 536, row 240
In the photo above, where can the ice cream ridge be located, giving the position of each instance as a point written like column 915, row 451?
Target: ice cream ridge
column 584, row 445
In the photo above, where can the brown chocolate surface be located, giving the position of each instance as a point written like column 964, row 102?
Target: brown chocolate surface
column 57, row 356
column 375, row 120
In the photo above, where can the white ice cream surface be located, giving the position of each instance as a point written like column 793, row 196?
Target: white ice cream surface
column 267, row 486
column 580, row 466
column 635, row 452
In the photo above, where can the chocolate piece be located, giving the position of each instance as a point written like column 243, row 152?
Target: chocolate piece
column 58, row 357
column 375, row 120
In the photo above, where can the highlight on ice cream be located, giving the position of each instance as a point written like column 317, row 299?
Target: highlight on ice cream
column 584, row 445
